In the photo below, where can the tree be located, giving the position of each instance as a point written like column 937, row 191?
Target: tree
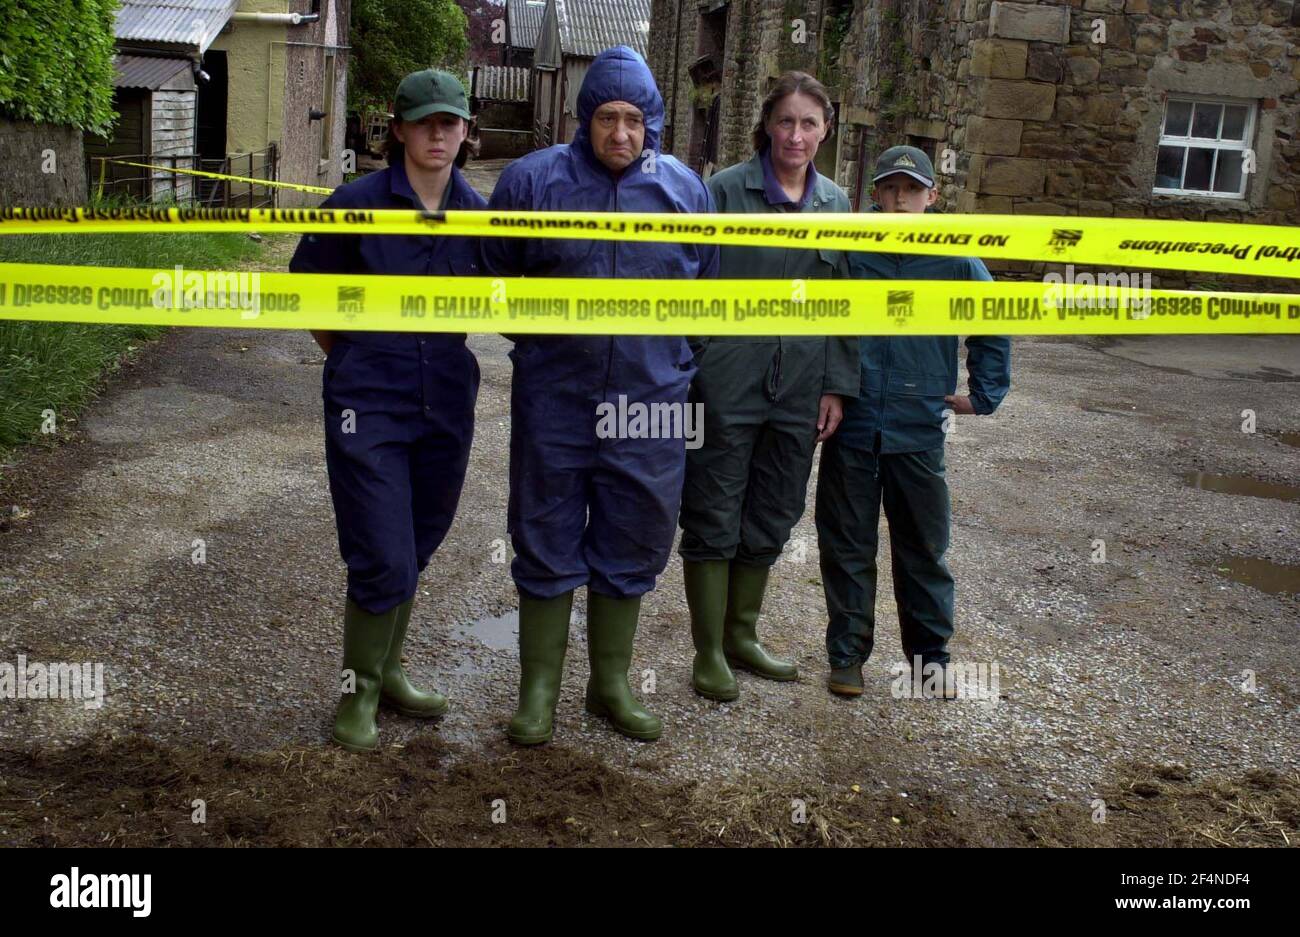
column 482, row 14
column 392, row 38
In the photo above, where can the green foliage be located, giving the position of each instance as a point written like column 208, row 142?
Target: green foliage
column 392, row 38
column 56, row 62
column 60, row 365
column 835, row 29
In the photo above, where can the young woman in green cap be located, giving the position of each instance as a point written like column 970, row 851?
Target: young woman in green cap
column 399, row 406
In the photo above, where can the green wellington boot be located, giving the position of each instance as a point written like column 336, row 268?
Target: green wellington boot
column 366, row 640
column 706, row 594
column 543, row 639
column 398, row 692
column 611, row 629
column 740, row 634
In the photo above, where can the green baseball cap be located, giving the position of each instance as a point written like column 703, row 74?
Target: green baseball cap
column 430, row 92
column 905, row 159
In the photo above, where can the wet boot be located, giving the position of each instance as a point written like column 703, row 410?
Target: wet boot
column 366, row 640
column 543, row 639
column 706, row 594
column 740, row 633
column 398, row 693
column 611, row 629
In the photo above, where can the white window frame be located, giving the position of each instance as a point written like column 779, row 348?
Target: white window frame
column 1201, row 143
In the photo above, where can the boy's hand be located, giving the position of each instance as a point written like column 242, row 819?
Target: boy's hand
column 959, row 403
column 829, row 414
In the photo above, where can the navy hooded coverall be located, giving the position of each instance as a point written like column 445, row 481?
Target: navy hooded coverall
column 399, row 406
column 585, row 510
column 889, row 450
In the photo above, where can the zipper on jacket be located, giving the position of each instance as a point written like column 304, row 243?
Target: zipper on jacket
column 609, row 353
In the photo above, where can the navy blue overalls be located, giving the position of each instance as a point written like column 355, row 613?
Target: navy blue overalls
column 399, row 406
column 585, row 510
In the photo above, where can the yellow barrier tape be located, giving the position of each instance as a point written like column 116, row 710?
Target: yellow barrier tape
column 224, row 299
column 319, row 190
column 1206, row 247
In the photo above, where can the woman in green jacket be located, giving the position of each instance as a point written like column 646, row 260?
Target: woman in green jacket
column 767, row 401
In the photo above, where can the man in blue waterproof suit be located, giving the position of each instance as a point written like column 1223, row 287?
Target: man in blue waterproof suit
column 586, row 510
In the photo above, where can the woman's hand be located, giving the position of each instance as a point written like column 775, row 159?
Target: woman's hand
column 829, row 414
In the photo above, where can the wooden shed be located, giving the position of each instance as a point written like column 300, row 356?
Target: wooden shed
column 574, row 32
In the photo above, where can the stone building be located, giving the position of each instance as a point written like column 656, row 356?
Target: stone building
column 1125, row 108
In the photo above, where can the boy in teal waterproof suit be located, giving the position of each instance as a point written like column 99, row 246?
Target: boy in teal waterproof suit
column 889, row 451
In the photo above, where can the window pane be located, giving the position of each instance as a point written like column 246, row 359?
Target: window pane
column 1169, row 167
column 1234, row 122
column 1200, row 163
column 1206, row 122
column 1227, row 177
column 1178, row 115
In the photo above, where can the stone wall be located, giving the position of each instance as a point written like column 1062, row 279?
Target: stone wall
column 1028, row 106
column 762, row 41
column 44, row 164
column 1057, row 122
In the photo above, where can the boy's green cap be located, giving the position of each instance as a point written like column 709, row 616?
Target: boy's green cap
column 430, row 92
column 905, row 159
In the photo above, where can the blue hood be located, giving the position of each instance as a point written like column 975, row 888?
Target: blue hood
column 619, row 74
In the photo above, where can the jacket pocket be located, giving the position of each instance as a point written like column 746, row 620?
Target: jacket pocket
column 919, row 385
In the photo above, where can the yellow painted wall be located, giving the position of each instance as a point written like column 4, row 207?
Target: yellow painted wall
column 255, row 108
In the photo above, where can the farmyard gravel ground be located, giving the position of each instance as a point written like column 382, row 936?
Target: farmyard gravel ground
column 216, row 435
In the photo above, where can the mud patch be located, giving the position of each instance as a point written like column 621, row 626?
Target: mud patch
column 1289, row 439
column 134, row 792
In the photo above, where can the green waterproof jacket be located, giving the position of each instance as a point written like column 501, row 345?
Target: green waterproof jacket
column 739, row 189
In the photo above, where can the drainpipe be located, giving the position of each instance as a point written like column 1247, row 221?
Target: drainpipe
column 279, row 19
column 677, row 51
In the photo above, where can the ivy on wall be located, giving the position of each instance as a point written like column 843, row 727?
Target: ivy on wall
column 56, row 62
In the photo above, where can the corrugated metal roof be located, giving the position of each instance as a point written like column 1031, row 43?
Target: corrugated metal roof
column 524, row 18
column 194, row 23
column 499, row 82
column 146, row 71
column 587, row 27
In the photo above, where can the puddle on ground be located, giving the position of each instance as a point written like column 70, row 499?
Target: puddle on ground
column 496, row 633
column 1241, row 485
column 1290, row 439
column 1273, row 578
column 499, row 632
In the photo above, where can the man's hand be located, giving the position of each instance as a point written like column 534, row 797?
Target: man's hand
column 829, row 414
column 324, row 339
column 959, row 403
